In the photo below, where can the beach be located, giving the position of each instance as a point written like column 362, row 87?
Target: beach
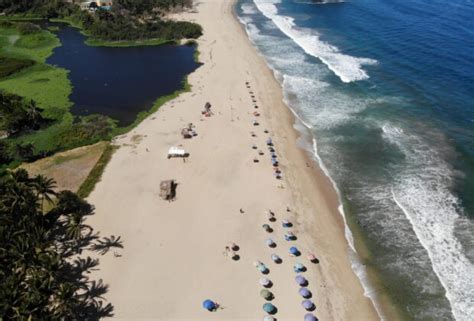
column 173, row 254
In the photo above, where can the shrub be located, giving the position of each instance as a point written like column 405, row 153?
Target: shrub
column 27, row 28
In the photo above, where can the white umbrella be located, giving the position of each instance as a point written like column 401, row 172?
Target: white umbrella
column 265, row 282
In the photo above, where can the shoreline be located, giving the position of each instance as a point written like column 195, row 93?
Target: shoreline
column 339, row 293
column 382, row 299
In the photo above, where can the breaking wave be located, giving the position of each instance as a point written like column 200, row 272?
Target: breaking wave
column 347, row 68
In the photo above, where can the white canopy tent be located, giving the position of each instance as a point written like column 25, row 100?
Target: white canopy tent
column 176, row 152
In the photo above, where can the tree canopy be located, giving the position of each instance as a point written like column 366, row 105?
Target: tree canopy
column 129, row 19
column 44, row 273
column 17, row 115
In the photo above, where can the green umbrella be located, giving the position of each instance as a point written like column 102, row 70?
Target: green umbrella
column 269, row 308
column 267, row 295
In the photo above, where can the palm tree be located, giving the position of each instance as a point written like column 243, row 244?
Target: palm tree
column 44, row 188
column 33, row 115
column 25, row 151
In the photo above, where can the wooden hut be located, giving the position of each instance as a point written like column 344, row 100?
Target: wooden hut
column 168, row 189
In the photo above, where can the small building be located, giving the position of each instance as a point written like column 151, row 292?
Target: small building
column 104, row 4
column 168, row 189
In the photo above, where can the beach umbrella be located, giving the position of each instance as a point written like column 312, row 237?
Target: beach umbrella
column 305, row 293
column 294, row 251
column 262, row 268
column 209, row 305
column 267, row 228
column 312, row 258
column 269, row 142
column 308, row 305
column 270, row 243
column 265, row 282
column 269, row 308
column 299, row 268
column 232, row 246
column 289, row 236
column 267, row 295
column 310, row 317
column 268, row 318
column 286, row 223
column 301, row 280
column 276, row 258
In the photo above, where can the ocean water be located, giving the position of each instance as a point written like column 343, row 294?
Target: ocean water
column 385, row 88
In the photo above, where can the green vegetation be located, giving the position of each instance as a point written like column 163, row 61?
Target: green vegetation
column 128, row 43
column 140, row 7
column 48, row 87
column 24, row 48
column 17, row 116
column 9, row 66
column 34, row 46
column 96, row 173
column 128, row 21
column 44, row 273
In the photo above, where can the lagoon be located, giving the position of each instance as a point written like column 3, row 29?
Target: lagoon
column 120, row 82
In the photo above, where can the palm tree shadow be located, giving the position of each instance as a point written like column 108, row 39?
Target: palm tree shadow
column 104, row 245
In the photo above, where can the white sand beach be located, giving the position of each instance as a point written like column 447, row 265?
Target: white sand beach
column 173, row 256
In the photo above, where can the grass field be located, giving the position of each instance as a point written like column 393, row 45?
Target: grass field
column 70, row 169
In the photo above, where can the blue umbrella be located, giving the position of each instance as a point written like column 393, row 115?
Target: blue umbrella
column 308, row 305
column 209, row 305
column 286, row 223
column 310, row 317
column 305, row 293
column 294, row 251
column 269, row 308
column 301, row 280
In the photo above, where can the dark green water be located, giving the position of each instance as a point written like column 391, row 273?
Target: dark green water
column 120, row 82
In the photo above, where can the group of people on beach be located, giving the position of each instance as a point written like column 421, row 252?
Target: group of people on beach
column 271, row 148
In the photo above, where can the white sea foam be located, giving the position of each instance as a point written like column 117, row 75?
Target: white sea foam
column 347, row 68
column 319, row 2
column 422, row 193
column 320, row 103
column 356, row 264
column 248, row 8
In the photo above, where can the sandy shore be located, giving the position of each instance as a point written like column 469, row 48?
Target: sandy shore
column 173, row 251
